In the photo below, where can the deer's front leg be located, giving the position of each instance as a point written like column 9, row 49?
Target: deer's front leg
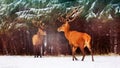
column 73, row 53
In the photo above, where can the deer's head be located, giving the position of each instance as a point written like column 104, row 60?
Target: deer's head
column 70, row 17
column 66, row 20
column 64, row 27
column 41, row 31
column 41, row 27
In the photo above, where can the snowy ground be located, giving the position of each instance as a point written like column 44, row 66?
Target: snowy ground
column 59, row 62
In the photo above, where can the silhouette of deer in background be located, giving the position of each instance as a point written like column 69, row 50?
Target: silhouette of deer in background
column 38, row 39
column 76, row 39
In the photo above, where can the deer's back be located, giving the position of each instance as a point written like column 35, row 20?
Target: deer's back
column 76, row 37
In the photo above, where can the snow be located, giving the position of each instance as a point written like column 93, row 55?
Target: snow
column 27, row 13
column 59, row 62
column 117, row 9
column 93, row 5
column 90, row 15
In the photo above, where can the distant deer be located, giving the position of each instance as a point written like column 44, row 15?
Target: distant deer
column 76, row 39
column 37, row 41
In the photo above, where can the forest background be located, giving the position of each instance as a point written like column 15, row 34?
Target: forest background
column 99, row 18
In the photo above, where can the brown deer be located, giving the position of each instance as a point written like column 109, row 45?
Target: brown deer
column 76, row 39
column 37, row 41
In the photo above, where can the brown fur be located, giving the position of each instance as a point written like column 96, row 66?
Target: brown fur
column 76, row 40
column 37, row 41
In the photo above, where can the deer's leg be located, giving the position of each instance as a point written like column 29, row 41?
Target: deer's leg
column 73, row 53
column 40, row 51
column 89, row 48
column 83, row 52
column 35, row 52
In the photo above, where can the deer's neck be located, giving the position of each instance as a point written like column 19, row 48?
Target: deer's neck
column 38, row 34
column 67, row 33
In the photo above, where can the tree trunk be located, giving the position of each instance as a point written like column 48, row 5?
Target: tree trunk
column 4, row 43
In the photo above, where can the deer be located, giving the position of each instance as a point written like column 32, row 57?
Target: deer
column 76, row 39
column 38, row 40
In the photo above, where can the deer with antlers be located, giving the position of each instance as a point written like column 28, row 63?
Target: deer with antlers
column 38, row 39
column 76, row 39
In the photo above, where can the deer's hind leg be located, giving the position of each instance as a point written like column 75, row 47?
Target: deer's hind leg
column 83, row 52
column 40, row 51
column 89, row 48
column 81, row 46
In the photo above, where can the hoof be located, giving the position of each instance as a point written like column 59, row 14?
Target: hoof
column 40, row 56
column 82, row 60
column 75, row 59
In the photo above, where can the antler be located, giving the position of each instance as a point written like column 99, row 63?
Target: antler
column 71, row 16
column 61, row 19
column 75, row 13
column 38, row 24
column 72, row 13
